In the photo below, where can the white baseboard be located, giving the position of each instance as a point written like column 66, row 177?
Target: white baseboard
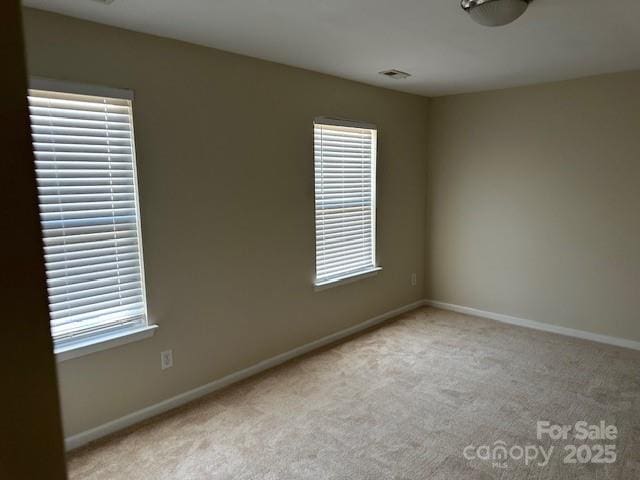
column 547, row 327
column 100, row 431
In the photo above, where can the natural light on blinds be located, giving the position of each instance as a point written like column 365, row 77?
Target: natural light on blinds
column 345, row 194
column 86, row 174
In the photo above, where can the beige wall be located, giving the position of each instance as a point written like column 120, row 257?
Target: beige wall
column 534, row 203
column 225, row 149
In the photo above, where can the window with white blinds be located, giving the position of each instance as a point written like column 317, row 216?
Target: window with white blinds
column 345, row 199
column 87, row 187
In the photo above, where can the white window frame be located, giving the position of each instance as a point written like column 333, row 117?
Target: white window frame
column 86, row 343
column 349, row 277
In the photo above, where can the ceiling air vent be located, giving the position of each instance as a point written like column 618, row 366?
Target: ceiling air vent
column 395, row 74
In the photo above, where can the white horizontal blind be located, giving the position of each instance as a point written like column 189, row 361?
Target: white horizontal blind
column 345, row 200
column 87, row 187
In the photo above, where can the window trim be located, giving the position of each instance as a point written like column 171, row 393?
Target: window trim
column 116, row 335
column 345, row 279
column 79, row 347
column 64, row 86
column 356, row 275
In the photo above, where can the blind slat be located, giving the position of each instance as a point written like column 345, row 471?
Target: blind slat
column 46, row 129
column 64, row 233
column 90, row 301
column 54, row 258
column 93, row 285
column 338, row 269
column 126, row 264
column 107, row 315
column 50, row 138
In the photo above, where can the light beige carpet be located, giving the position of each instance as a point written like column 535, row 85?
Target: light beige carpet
column 399, row 402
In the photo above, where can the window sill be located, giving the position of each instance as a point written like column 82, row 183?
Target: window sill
column 98, row 343
column 352, row 277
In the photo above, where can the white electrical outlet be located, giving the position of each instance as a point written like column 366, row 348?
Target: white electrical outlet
column 414, row 279
column 166, row 359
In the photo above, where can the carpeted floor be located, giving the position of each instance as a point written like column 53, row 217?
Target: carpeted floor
column 400, row 402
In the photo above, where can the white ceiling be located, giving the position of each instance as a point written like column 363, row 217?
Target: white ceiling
column 434, row 40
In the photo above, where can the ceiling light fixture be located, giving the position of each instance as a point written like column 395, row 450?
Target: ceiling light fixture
column 494, row 13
